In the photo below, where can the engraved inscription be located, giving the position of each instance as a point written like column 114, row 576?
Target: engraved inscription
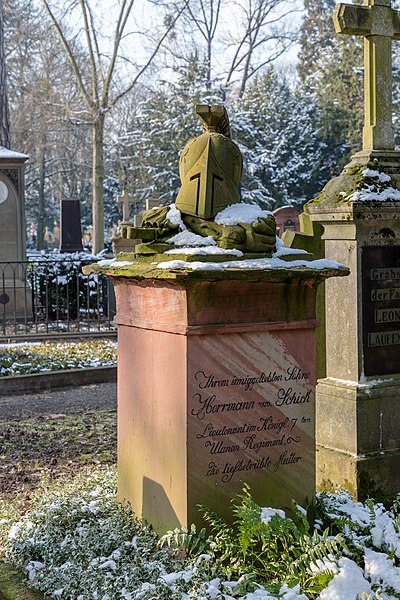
column 268, row 414
column 382, row 338
column 387, row 315
column 381, row 309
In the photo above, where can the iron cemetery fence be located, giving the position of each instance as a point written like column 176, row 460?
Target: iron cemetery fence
column 49, row 295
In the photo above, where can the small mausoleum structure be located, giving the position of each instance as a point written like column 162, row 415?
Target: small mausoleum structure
column 216, row 340
column 287, row 219
column 13, row 290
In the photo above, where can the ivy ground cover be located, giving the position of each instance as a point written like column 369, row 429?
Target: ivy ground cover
column 37, row 357
column 77, row 542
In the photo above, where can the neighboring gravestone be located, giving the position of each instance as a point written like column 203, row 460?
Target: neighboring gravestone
column 123, row 244
column 71, row 228
column 358, row 413
column 216, row 372
column 13, row 287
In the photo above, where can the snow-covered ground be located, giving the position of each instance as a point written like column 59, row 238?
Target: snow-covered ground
column 77, row 543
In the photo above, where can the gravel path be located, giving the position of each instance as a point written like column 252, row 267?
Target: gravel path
column 64, row 401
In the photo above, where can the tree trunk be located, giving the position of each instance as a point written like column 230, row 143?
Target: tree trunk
column 41, row 203
column 4, row 113
column 98, row 184
column 208, row 67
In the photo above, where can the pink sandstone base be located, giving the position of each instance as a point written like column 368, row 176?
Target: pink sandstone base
column 207, row 402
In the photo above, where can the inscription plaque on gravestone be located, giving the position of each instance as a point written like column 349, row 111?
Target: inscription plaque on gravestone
column 251, row 417
column 381, row 309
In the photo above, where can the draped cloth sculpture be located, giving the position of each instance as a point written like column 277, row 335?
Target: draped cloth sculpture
column 210, row 169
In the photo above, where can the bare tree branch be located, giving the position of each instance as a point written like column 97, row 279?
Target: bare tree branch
column 70, row 55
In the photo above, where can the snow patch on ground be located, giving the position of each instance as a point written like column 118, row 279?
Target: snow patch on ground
column 380, row 570
column 267, row 514
column 347, row 584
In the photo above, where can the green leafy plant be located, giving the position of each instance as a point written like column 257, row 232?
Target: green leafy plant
column 280, row 550
column 189, row 541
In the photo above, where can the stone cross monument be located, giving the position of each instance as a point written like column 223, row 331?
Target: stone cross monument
column 126, row 202
column 378, row 23
column 356, row 220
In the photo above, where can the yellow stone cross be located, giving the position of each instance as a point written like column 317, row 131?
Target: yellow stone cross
column 126, row 202
column 379, row 24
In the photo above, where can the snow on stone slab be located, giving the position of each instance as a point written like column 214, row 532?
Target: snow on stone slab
column 383, row 177
column 194, row 266
column 7, row 153
column 241, row 213
column 254, row 263
column 347, row 584
column 188, row 238
column 114, row 263
column 367, row 194
column 204, row 251
column 267, row 513
column 174, row 217
column 380, row 570
column 283, row 251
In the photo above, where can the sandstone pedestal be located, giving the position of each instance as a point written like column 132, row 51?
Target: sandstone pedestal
column 216, row 382
column 358, row 415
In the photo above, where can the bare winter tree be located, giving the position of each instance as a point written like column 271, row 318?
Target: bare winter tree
column 98, row 92
column 5, row 139
column 204, row 16
column 262, row 36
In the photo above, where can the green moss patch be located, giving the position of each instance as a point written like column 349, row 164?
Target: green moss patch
column 53, row 446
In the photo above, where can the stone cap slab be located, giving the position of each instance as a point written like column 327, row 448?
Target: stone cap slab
column 7, row 155
column 308, row 271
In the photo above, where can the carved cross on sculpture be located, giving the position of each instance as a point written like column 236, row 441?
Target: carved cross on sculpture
column 126, row 202
column 379, row 24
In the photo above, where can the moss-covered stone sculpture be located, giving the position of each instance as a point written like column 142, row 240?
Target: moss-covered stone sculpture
column 210, row 169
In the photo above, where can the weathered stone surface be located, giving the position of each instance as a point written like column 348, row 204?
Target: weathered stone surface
column 215, row 389
column 354, row 415
column 145, row 270
column 358, row 212
column 210, row 169
column 378, row 23
column 13, row 290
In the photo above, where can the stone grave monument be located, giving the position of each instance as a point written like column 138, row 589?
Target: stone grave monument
column 216, row 337
column 71, row 228
column 356, row 219
column 119, row 242
column 14, row 294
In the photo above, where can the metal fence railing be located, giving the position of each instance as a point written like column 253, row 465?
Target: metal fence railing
column 51, row 296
